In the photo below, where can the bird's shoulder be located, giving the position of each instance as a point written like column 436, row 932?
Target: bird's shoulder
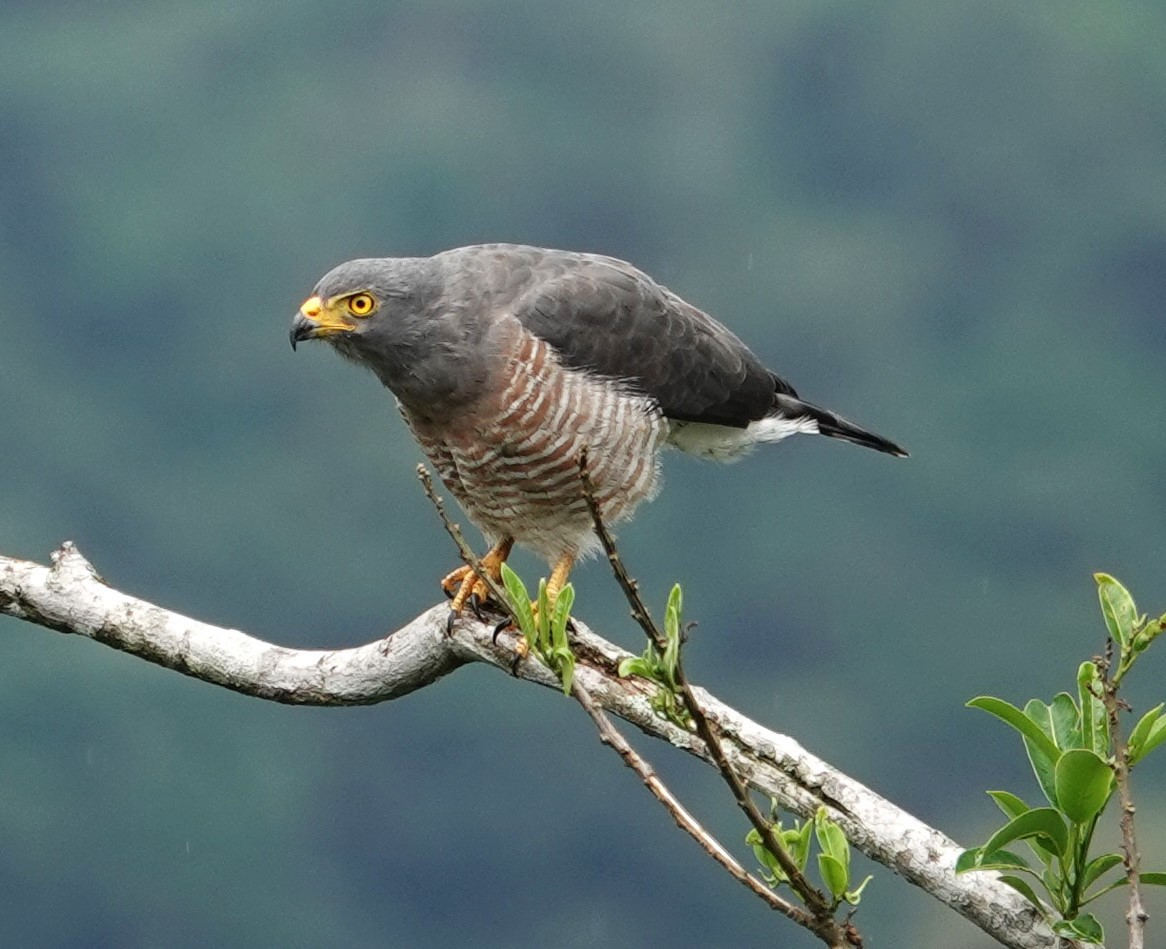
column 604, row 315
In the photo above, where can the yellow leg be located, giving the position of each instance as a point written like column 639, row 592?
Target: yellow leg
column 463, row 583
column 557, row 580
column 559, row 574
column 555, row 584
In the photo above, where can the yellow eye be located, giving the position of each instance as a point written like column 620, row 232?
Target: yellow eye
column 362, row 304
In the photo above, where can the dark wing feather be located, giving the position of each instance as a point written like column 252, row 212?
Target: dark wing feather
column 604, row 315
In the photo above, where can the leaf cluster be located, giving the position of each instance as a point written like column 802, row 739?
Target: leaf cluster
column 660, row 667
column 544, row 627
column 833, row 855
column 1070, row 746
column 1130, row 631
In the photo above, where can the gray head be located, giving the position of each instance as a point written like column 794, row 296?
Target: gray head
column 390, row 315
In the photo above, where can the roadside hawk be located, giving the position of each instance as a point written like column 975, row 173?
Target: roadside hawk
column 507, row 361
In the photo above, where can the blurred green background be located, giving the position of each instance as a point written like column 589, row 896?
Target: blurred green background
column 944, row 220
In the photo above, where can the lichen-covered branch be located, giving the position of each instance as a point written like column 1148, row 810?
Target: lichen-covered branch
column 70, row 597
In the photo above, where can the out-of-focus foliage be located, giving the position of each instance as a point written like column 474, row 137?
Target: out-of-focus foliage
column 945, row 220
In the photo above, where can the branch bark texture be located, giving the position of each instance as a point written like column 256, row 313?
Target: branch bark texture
column 70, row 597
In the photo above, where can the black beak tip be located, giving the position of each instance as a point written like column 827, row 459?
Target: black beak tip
column 301, row 329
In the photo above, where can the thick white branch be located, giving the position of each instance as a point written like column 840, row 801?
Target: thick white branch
column 70, row 597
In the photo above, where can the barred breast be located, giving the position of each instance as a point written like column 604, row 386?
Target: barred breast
column 512, row 460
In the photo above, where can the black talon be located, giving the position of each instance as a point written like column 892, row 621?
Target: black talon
column 498, row 629
column 449, row 621
column 449, row 594
column 476, row 605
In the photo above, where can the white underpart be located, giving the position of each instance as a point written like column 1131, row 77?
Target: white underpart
column 722, row 443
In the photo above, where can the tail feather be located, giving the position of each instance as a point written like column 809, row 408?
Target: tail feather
column 833, row 426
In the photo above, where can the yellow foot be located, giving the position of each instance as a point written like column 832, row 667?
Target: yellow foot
column 464, row 586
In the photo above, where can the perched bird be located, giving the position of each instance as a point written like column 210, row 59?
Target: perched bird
column 508, row 361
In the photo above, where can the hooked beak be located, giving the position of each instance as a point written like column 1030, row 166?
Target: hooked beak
column 315, row 320
column 302, row 328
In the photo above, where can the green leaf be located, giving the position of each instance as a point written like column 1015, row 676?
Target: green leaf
column 1084, row 927
column 1094, row 720
column 673, row 611
column 1054, row 884
column 854, row 897
column 1063, row 721
column 773, row 873
column 560, row 615
column 1147, row 735
column 1013, row 716
column 566, row 667
column 1045, row 822
column 764, row 857
column 1098, row 867
column 1043, row 765
column 519, row 602
column 671, row 658
column 1013, row 806
column 795, row 841
column 1151, row 878
column 668, row 663
column 968, row 860
column 634, row 666
column 831, row 839
column 1117, row 606
column 544, row 617
column 1009, row 803
column 1024, row 888
column 834, row 874
column 800, row 845
column 1084, row 783
column 1147, row 634
column 1108, row 888
column 996, row 860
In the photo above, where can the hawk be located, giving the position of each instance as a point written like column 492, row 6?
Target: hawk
column 508, row 361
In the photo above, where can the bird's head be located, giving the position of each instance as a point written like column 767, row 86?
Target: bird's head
column 390, row 315
column 352, row 301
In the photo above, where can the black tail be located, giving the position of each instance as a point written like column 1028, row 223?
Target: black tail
column 833, row 426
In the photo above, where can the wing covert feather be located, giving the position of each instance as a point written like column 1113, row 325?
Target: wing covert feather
column 608, row 317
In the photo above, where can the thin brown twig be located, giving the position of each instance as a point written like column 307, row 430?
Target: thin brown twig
column 823, row 923
column 1136, row 915
column 464, row 549
column 610, row 736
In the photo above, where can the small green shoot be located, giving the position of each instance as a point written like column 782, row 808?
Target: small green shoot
column 833, row 855
column 544, row 629
column 661, row 668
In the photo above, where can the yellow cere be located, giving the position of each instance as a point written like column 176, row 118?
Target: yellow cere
column 312, row 308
